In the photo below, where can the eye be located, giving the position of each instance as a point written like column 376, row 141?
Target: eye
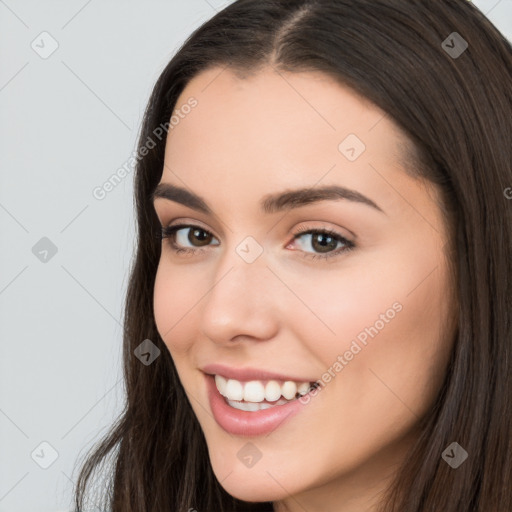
column 187, row 238
column 180, row 235
column 325, row 242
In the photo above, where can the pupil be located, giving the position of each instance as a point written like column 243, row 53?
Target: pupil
column 199, row 235
column 325, row 244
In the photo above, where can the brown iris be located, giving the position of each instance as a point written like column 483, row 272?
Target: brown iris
column 322, row 242
column 200, row 235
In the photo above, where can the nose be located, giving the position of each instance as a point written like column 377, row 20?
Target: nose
column 242, row 303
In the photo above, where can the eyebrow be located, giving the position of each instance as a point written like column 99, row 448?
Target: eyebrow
column 271, row 203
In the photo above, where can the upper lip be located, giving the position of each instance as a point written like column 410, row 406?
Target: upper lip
column 247, row 373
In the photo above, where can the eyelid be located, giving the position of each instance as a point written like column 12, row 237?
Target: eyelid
column 348, row 244
column 325, row 229
column 298, row 231
column 188, row 223
column 169, row 231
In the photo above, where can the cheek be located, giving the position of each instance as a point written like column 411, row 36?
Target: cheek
column 352, row 301
column 383, row 314
column 174, row 299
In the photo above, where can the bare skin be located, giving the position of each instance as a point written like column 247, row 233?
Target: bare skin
column 290, row 312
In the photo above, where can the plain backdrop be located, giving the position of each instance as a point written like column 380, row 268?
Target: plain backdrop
column 74, row 80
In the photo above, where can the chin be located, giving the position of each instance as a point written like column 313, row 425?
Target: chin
column 247, row 486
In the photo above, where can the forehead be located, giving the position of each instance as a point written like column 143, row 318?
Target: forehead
column 278, row 97
column 280, row 109
column 267, row 130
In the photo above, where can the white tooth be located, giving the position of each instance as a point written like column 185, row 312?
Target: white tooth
column 289, row 389
column 272, row 391
column 251, row 406
column 237, row 405
column 303, row 388
column 244, row 406
column 254, row 391
column 221, row 384
column 234, row 390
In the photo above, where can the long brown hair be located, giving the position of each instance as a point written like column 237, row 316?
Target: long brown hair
column 455, row 104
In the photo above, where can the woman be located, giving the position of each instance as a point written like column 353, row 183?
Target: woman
column 319, row 312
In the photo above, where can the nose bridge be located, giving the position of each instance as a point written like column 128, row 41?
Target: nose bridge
column 238, row 302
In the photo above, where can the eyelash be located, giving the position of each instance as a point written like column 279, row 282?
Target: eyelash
column 168, row 232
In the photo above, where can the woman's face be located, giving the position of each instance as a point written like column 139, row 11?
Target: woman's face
column 261, row 289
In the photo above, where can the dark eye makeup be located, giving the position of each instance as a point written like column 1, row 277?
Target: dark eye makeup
column 322, row 239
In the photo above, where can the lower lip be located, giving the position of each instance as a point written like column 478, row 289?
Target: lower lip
column 245, row 423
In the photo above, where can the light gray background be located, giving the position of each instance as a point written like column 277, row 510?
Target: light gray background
column 67, row 123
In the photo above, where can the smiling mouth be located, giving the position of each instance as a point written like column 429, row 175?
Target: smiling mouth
column 246, row 411
column 256, row 395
